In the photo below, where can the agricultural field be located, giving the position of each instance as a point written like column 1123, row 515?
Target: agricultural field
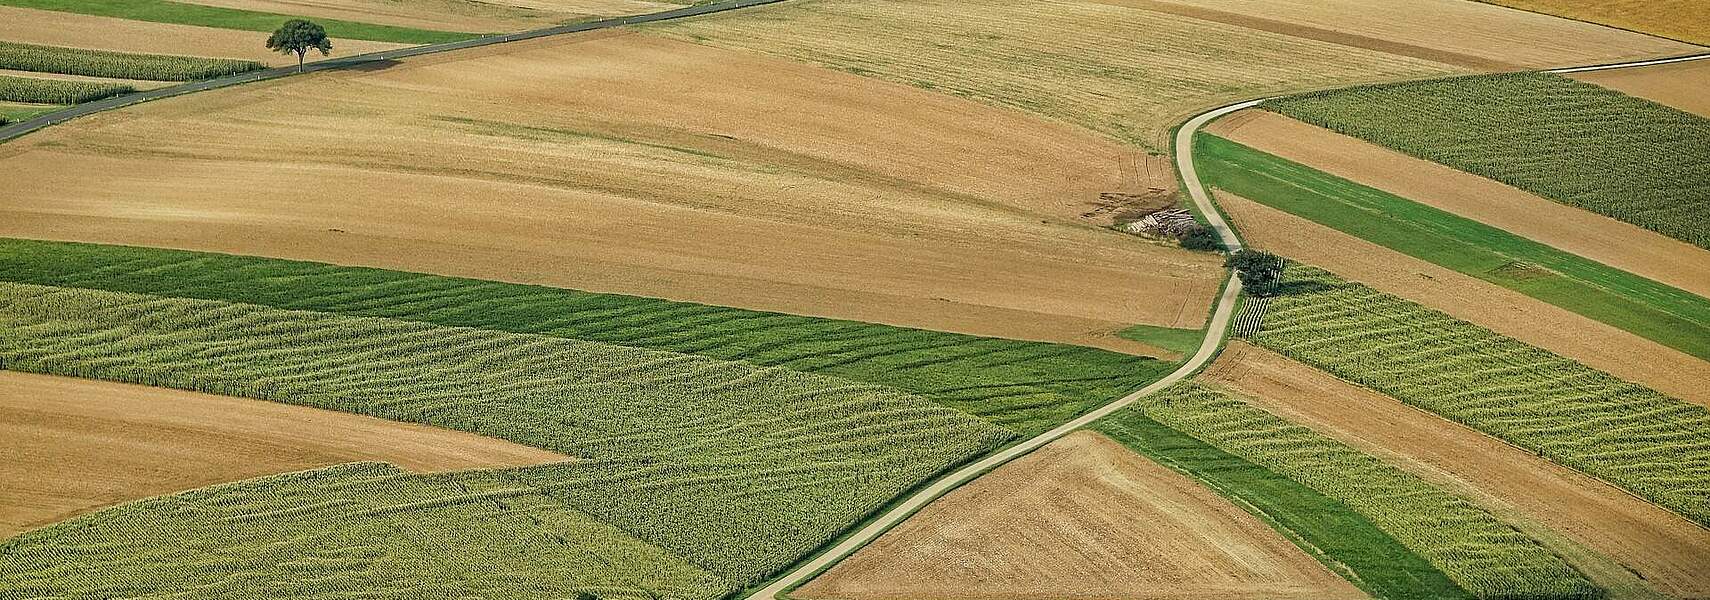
column 1625, row 434
column 739, row 468
column 1620, row 542
column 1131, row 527
column 93, row 32
column 119, row 65
column 756, row 190
column 1679, row 85
column 1079, row 61
column 56, row 91
column 1667, row 315
column 1683, row 20
column 78, row 445
column 218, row 17
column 1645, row 163
column 453, row 15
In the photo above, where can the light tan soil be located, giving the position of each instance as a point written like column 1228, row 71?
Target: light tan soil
column 1479, row 36
column 1504, row 311
column 77, row 445
column 1670, row 553
column 1082, row 517
column 54, row 28
column 1593, row 236
column 1681, row 85
column 135, row 83
column 1684, row 20
column 633, row 164
column 450, row 15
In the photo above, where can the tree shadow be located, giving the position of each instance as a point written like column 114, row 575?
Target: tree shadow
column 370, row 65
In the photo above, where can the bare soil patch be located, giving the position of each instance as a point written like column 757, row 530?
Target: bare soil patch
column 1681, row 85
column 1468, row 34
column 76, row 445
column 633, row 164
column 450, row 15
column 1667, row 551
column 1602, row 239
column 1504, row 311
column 1082, row 517
column 54, row 28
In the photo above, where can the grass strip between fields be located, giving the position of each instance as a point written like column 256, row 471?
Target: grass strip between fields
column 1027, row 387
column 1652, row 310
column 1573, row 142
column 1479, row 552
column 736, row 467
column 1326, row 528
column 180, row 13
column 57, row 91
column 1631, row 436
column 121, row 65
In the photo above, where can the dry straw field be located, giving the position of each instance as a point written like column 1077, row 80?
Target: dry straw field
column 1684, row 20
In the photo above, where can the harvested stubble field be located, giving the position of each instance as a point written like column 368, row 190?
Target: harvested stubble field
column 1077, row 61
column 1081, row 517
column 76, row 445
column 121, row 65
column 356, row 530
column 1641, row 162
column 452, row 15
column 71, row 30
column 1680, row 85
column 632, row 164
column 737, row 468
column 185, row 13
column 1668, row 315
column 1483, row 555
column 1510, row 313
column 1576, row 416
column 1637, row 545
column 1027, row 387
column 1684, row 20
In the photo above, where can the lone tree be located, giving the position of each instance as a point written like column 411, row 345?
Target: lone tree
column 298, row 36
column 1260, row 272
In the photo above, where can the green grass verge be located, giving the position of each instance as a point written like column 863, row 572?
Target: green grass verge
column 1577, row 143
column 1666, row 315
column 1480, row 553
column 10, row 113
column 1629, row 435
column 1180, row 341
column 1028, row 387
column 179, row 13
column 365, row 530
column 1328, row 529
column 54, row 91
column 123, row 65
column 739, row 468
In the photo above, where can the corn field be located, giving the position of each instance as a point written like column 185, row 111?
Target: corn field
column 1483, row 555
column 98, row 63
column 739, row 468
column 1629, row 435
column 54, row 91
column 1573, row 142
column 365, row 530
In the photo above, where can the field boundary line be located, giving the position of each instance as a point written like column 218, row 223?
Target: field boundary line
column 15, row 130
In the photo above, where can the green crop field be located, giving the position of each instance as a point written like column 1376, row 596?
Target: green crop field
column 1325, row 527
column 1028, row 387
column 1480, row 553
column 97, row 63
column 739, row 468
column 166, row 11
column 1664, row 314
column 1653, row 445
column 361, row 530
column 1573, row 142
column 54, row 91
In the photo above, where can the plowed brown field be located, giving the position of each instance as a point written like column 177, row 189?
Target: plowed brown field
column 1504, row 311
column 76, row 445
column 450, row 15
column 1681, row 85
column 1602, row 239
column 54, row 28
column 633, row 164
column 1626, row 535
column 1082, row 517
